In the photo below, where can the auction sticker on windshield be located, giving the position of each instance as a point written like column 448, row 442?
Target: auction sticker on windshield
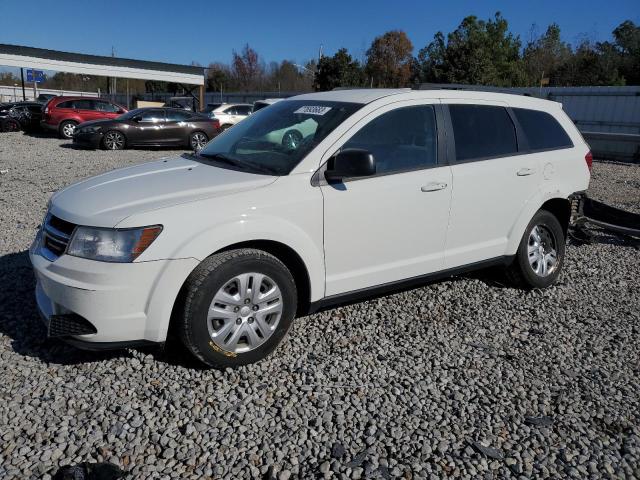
column 313, row 110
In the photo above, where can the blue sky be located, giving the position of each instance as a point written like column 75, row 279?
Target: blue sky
column 205, row 31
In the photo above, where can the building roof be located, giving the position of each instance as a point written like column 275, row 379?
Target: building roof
column 44, row 59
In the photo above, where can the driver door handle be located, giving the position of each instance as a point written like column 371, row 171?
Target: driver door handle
column 523, row 172
column 433, row 187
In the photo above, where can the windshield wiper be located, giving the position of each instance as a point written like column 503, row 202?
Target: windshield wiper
column 221, row 157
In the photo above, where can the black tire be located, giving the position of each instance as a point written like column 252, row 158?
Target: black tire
column 225, row 127
column 521, row 272
column 63, row 129
column 204, row 283
column 114, row 140
column 9, row 125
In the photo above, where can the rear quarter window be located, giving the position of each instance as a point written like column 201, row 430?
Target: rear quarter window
column 543, row 132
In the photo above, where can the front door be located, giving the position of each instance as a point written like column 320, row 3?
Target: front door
column 391, row 226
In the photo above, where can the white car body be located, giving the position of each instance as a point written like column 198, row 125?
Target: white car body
column 229, row 114
column 378, row 231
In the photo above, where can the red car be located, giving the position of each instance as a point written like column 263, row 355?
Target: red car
column 62, row 114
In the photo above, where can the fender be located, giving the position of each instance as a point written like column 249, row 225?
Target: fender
column 532, row 205
column 205, row 243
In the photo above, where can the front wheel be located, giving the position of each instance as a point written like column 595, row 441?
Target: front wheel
column 113, row 140
column 239, row 305
column 540, row 255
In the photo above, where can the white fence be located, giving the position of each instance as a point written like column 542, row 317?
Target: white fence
column 14, row 94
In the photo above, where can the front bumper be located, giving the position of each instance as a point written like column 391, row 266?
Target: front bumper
column 127, row 303
column 91, row 140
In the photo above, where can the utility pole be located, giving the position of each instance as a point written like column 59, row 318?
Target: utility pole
column 24, row 96
column 319, row 54
column 115, row 85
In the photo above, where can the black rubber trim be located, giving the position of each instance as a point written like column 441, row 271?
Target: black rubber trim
column 392, row 287
column 100, row 346
column 69, row 324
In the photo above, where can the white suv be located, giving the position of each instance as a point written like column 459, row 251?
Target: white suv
column 228, row 114
column 390, row 187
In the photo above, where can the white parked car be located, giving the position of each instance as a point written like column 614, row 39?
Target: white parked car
column 231, row 113
column 392, row 187
column 260, row 104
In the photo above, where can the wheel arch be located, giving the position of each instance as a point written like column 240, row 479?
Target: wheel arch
column 286, row 254
column 114, row 129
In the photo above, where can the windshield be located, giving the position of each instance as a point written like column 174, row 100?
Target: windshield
column 274, row 140
column 130, row 114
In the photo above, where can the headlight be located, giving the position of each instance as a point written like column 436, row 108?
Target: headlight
column 110, row 244
column 89, row 129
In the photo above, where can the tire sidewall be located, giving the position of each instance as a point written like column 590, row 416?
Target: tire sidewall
column 191, row 135
column 548, row 220
column 196, row 331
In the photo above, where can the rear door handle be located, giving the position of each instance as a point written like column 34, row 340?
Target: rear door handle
column 433, row 187
column 523, row 172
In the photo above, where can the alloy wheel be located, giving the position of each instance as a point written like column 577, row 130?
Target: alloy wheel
column 198, row 141
column 114, row 141
column 245, row 312
column 68, row 129
column 542, row 251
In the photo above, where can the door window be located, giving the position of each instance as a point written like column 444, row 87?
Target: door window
column 107, row 107
column 84, row 105
column 400, row 140
column 177, row 116
column 482, row 131
column 543, row 132
column 152, row 116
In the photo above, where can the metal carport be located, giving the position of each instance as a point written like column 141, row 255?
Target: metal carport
column 44, row 59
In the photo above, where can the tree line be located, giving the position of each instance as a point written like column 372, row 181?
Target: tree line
column 485, row 52
column 477, row 52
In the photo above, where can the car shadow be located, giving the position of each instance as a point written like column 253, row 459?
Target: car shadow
column 74, row 146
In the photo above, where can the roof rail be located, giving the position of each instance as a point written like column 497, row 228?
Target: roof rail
column 461, row 86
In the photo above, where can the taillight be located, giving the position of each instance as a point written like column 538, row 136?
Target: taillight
column 216, row 123
column 46, row 109
column 589, row 159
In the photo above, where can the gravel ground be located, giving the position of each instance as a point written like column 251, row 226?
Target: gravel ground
column 465, row 378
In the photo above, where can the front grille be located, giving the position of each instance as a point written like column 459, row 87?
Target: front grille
column 56, row 233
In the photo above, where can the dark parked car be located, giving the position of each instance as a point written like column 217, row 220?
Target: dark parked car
column 184, row 103
column 45, row 97
column 20, row 115
column 156, row 127
column 62, row 114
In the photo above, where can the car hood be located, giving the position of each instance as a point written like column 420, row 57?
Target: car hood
column 106, row 200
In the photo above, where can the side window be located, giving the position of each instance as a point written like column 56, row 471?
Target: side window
column 230, row 111
column 152, row 116
column 243, row 110
column 106, row 107
column 400, row 140
column 177, row 116
column 84, row 104
column 67, row 104
column 482, row 131
column 542, row 130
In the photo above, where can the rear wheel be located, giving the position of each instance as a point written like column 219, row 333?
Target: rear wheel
column 197, row 140
column 540, row 255
column 67, row 128
column 239, row 305
column 114, row 140
column 9, row 125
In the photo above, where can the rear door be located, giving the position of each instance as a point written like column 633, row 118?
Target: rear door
column 492, row 180
column 391, row 226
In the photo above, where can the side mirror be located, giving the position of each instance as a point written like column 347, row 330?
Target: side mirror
column 136, row 119
column 350, row 163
